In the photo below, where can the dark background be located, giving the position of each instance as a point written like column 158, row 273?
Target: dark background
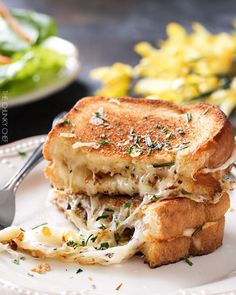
column 105, row 31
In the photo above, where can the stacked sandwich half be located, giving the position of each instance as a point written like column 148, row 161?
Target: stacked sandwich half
column 141, row 176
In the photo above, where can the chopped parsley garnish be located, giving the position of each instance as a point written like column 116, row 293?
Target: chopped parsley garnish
column 117, row 237
column 127, row 205
column 185, row 142
column 104, row 245
column 183, row 147
column 109, row 255
column 149, row 152
column 184, row 192
column 152, row 145
column 102, row 217
column 152, row 198
column 180, row 131
column 99, row 115
column 188, row 261
column 197, row 230
column 148, row 141
column 104, row 142
column 22, row 153
column 170, row 135
column 45, row 223
column 79, row 270
column 159, row 165
column 109, row 210
column 145, row 143
column 92, row 238
column 73, row 244
column 119, row 286
column 30, row 274
column 117, row 222
column 130, row 149
column 164, row 129
column 98, row 118
column 17, row 260
column 132, row 133
column 158, row 146
column 102, row 227
column 188, row 117
column 82, row 244
column 134, row 151
column 66, row 122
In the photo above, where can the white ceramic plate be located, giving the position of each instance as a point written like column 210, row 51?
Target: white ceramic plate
column 68, row 74
column 210, row 274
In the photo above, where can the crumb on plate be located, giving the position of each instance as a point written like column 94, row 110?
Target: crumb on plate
column 41, row 268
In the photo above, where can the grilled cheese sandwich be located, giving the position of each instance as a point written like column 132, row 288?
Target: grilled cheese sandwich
column 135, row 175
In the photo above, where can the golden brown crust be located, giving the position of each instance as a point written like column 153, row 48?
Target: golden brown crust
column 139, row 114
column 144, row 115
column 214, row 212
column 208, row 239
column 222, row 137
column 207, row 141
column 158, row 253
column 171, row 218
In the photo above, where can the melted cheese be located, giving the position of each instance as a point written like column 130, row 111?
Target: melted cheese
column 224, row 166
column 150, row 183
column 55, row 242
column 80, row 144
column 77, row 246
column 141, row 182
column 67, row 135
column 188, row 232
column 197, row 243
column 97, row 176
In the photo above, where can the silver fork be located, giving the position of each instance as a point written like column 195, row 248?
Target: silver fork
column 7, row 193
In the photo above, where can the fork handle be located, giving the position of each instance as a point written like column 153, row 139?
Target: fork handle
column 33, row 160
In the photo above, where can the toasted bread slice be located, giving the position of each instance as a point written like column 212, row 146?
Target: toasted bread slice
column 175, row 218
column 137, row 146
column 207, row 240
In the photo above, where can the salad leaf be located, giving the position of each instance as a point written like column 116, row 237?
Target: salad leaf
column 38, row 26
column 33, row 68
column 45, row 25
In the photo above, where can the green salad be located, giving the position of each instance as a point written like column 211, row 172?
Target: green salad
column 25, row 64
